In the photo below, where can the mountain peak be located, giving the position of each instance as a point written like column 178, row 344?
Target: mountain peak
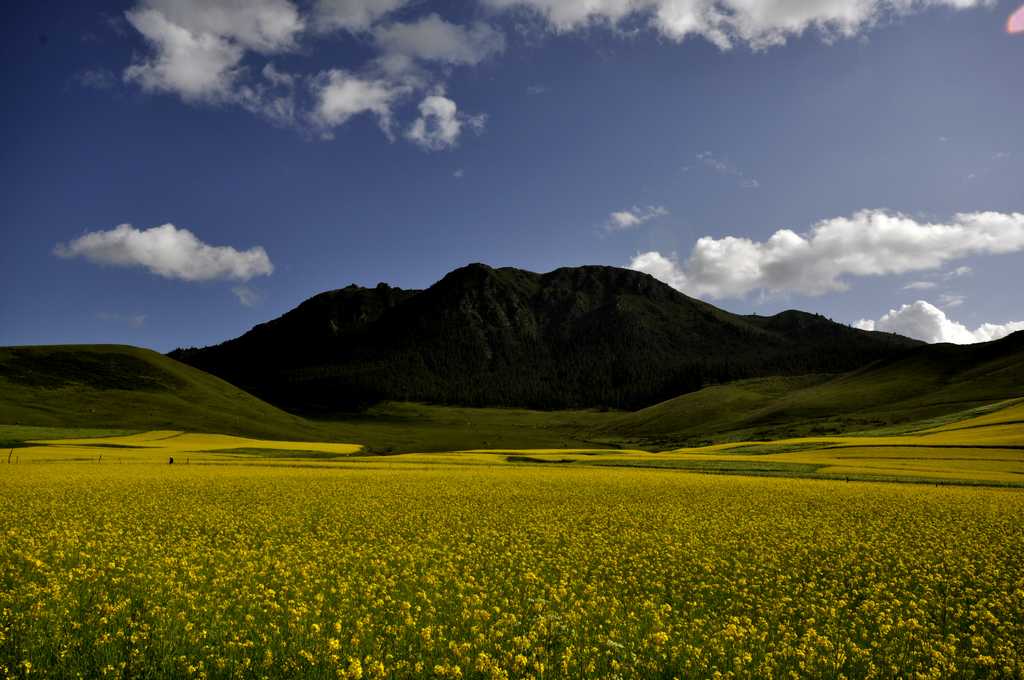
column 589, row 336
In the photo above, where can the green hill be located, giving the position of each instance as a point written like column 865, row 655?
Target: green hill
column 112, row 387
column 49, row 392
column 116, row 386
column 923, row 384
column 580, row 337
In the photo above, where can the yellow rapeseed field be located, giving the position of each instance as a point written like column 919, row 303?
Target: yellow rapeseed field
column 396, row 570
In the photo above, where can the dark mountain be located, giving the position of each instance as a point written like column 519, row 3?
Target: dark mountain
column 574, row 337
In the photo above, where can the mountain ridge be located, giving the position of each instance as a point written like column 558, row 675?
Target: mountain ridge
column 574, row 337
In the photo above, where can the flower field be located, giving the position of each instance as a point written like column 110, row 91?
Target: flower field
column 394, row 570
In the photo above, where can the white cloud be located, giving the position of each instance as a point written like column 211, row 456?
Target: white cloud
column 440, row 124
column 660, row 267
column 200, row 49
column 195, row 67
column 924, row 321
column 756, row 23
column 198, row 45
column 352, row 15
column 869, row 243
column 341, row 95
column 621, row 220
column 459, row 173
column 247, row 297
column 431, row 38
column 169, row 252
column 920, row 285
column 266, row 26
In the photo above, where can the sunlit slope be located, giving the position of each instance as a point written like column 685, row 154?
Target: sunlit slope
column 117, row 386
column 930, row 382
column 162, row 446
column 984, row 448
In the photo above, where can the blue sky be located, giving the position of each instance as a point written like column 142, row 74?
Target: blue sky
column 862, row 161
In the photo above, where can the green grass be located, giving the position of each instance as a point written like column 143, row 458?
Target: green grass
column 15, row 436
column 115, row 387
column 404, row 427
column 69, row 391
column 88, row 390
column 930, row 386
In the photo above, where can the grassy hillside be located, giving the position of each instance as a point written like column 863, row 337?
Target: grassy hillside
column 925, row 384
column 54, row 392
column 65, row 388
column 128, row 388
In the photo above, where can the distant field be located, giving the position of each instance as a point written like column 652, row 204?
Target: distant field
column 985, row 447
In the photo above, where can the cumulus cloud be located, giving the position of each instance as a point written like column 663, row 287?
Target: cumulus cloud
column 440, row 123
column 169, row 252
column 266, row 26
column 924, row 321
column 201, row 51
column 431, row 38
column 195, row 67
column 868, row 243
column 197, row 45
column 664, row 268
column 621, row 220
column 341, row 95
column 729, row 22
